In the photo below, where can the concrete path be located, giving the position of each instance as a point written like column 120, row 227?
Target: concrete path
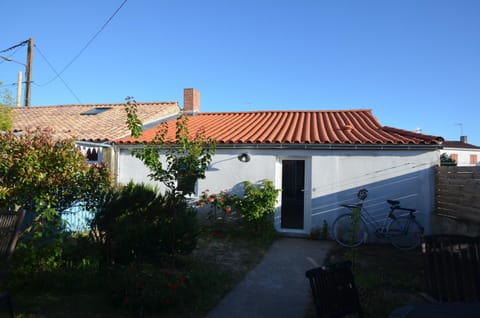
column 277, row 286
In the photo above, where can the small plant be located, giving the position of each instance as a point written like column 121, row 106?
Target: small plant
column 320, row 233
column 222, row 202
column 324, row 233
column 315, row 233
column 351, row 253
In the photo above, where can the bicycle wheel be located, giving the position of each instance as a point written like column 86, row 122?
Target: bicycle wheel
column 404, row 233
column 346, row 234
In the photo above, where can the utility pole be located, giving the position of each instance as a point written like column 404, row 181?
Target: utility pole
column 28, row 73
column 19, row 89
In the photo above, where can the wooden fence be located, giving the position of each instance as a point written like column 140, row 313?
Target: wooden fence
column 457, row 193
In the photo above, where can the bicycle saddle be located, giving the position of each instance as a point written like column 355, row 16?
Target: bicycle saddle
column 393, row 202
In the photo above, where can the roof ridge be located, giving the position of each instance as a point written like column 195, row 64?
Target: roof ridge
column 96, row 104
column 288, row 111
column 412, row 133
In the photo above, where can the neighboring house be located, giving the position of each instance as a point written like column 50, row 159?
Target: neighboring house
column 93, row 127
column 320, row 159
column 463, row 153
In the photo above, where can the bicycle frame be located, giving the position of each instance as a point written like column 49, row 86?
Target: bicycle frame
column 380, row 230
column 394, row 227
column 373, row 225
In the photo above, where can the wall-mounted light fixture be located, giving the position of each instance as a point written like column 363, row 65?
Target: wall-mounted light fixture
column 244, row 157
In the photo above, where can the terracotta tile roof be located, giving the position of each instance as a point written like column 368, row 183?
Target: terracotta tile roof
column 458, row 144
column 294, row 127
column 71, row 121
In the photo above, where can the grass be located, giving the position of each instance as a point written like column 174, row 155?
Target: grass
column 387, row 278
column 221, row 259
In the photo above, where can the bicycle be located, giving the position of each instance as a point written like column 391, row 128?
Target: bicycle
column 351, row 229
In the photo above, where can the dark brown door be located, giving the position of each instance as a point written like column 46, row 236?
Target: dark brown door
column 293, row 183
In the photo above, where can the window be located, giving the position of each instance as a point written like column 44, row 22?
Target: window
column 473, row 159
column 96, row 111
column 454, row 157
column 92, row 155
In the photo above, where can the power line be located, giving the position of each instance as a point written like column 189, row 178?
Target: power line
column 15, row 46
column 85, row 46
column 11, row 84
column 57, row 74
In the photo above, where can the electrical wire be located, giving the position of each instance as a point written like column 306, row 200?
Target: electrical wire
column 10, row 55
column 57, row 74
column 11, row 84
column 85, row 46
column 15, row 46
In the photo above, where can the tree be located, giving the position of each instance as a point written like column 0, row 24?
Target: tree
column 46, row 176
column 5, row 110
column 41, row 173
column 446, row 160
column 187, row 158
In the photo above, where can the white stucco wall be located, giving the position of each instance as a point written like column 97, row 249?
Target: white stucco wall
column 464, row 156
column 332, row 177
column 407, row 176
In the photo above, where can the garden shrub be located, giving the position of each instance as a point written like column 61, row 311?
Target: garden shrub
column 258, row 204
column 137, row 223
column 39, row 172
column 255, row 207
column 221, row 205
column 46, row 176
column 144, row 288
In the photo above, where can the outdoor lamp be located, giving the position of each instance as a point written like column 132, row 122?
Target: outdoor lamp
column 244, row 157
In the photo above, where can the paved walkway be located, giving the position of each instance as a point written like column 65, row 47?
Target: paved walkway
column 277, row 286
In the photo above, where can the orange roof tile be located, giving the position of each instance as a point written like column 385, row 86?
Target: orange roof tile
column 293, row 127
column 71, row 120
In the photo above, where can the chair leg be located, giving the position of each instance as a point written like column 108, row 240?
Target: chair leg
column 8, row 301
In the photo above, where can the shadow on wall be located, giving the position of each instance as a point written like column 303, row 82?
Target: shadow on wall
column 414, row 190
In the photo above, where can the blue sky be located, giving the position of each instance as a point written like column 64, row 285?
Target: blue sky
column 415, row 63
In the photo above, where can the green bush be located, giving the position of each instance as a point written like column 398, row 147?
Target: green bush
column 64, row 263
column 258, row 205
column 40, row 172
column 258, row 200
column 139, row 223
column 46, row 176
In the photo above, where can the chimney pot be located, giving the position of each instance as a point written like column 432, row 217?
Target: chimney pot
column 463, row 139
column 191, row 101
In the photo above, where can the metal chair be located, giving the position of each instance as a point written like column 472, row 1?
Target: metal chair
column 334, row 292
column 10, row 223
column 452, row 267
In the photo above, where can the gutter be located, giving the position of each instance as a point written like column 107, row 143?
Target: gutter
column 328, row 147
column 310, row 146
column 93, row 144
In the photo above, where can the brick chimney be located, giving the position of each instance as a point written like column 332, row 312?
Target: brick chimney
column 463, row 139
column 191, row 101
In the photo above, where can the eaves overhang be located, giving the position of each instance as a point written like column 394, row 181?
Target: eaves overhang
column 331, row 146
column 417, row 147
